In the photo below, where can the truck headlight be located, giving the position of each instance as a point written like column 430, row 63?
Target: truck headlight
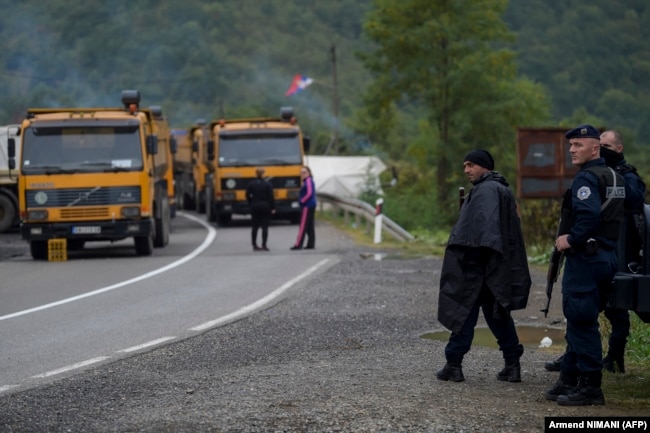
column 37, row 215
column 229, row 195
column 130, row 212
column 293, row 193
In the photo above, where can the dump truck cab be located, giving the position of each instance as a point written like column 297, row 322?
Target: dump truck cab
column 238, row 146
column 93, row 174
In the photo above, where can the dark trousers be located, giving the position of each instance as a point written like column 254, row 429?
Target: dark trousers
column 306, row 228
column 584, row 352
column 501, row 325
column 581, row 301
column 260, row 220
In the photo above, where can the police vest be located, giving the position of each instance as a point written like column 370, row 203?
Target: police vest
column 612, row 196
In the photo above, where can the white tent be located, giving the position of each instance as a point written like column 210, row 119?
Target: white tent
column 346, row 176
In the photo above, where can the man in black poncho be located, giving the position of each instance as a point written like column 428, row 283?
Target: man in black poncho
column 485, row 267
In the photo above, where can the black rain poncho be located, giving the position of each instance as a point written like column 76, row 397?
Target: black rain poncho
column 488, row 221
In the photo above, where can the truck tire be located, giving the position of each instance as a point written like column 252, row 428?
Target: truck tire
column 38, row 250
column 188, row 201
column 200, row 202
column 210, row 205
column 8, row 213
column 162, row 224
column 143, row 245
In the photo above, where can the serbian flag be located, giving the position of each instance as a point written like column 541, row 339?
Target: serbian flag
column 299, row 82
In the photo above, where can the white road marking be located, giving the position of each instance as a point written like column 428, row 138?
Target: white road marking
column 251, row 307
column 147, row 344
column 72, row 367
column 221, row 320
column 4, row 388
column 212, row 233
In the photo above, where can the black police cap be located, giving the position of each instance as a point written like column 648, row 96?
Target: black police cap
column 583, row 131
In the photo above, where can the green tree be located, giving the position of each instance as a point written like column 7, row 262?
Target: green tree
column 449, row 56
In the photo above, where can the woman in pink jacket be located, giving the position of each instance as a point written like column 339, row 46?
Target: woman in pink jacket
column 307, row 200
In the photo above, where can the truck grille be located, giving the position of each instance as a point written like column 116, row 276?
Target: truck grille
column 83, row 213
column 83, row 197
column 276, row 182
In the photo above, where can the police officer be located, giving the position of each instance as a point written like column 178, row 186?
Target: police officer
column 592, row 214
column 611, row 149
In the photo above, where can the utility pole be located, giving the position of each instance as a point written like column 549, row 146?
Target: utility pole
column 335, row 101
column 334, row 142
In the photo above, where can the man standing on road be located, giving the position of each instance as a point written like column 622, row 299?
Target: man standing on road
column 590, row 226
column 485, row 267
column 262, row 204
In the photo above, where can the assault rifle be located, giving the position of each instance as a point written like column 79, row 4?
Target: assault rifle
column 461, row 196
column 554, row 266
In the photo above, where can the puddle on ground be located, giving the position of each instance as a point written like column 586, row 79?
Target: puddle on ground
column 529, row 336
column 383, row 256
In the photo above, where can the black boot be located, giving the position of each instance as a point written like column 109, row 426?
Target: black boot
column 555, row 365
column 453, row 373
column 586, row 393
column 564, row 385
column 511, row 372
column 614, row 362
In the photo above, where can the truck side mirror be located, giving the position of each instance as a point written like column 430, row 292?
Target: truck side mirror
column 152, row 144
column 306, row 143
column 210, row 150
column 11, row 148
column 173, row 146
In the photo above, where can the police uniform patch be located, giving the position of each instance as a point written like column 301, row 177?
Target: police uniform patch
column 584, row 192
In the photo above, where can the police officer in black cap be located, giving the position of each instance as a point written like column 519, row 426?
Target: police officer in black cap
column 591, row 218
column 611, row 150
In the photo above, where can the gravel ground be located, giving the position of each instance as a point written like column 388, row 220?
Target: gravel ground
column 342, row 353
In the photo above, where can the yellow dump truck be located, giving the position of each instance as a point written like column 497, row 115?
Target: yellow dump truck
column 94, row 174
column 192, row 166
column 164, row 158
column 237, row 147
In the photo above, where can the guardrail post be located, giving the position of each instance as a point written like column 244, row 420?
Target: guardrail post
column 378, row 219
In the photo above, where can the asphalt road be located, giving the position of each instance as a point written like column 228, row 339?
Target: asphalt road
column 341, row 350
column 104, row 303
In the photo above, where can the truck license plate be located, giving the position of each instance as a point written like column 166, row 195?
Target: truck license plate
column 83, row 230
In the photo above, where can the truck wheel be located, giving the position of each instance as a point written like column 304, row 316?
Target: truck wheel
column 162, row 226
column 143, row 245
column 38, row 250
column 200, row 204
column 188, row 202
column 7, row 213
column 210, row 205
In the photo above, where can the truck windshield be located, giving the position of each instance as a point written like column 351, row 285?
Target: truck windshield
column 81, row 149
column 259, row 149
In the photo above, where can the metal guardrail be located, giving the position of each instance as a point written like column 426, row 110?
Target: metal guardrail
column 363, row 214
